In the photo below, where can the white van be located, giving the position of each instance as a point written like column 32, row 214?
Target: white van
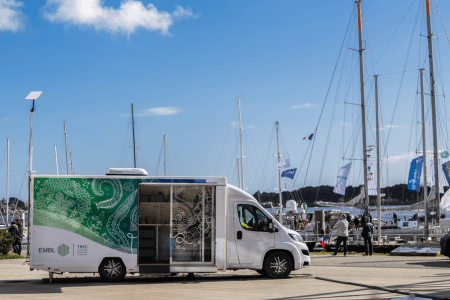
column 119, row 224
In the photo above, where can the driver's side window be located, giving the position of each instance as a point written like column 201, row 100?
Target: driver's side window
column 251, row 218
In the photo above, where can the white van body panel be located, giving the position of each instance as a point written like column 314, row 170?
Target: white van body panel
column 72, row 248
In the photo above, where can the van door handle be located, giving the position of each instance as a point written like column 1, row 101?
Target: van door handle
column 239, row 235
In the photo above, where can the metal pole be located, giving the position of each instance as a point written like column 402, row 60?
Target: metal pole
column 30, row 167
column 71, row 163
column 240, row 138
column 433, row 112
column 65, row 144
column 378, row 162
column 56, row 161
column 165, row 155
column 279, row 178
column 363, row 108
column 7, row 183
column 134, row 141
column 239, row 178
column 425, row 185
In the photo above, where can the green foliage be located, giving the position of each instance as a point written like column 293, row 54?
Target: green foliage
column 6, row 241
column 11, row 256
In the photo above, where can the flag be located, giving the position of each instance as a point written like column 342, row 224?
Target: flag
column 322, row 242
column 341, row 181
column 284, row 164
column 414, row 174
column 289, row 173
column 446, row 170
column 309, row 137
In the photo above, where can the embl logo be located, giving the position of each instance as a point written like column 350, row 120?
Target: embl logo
column 46, row 250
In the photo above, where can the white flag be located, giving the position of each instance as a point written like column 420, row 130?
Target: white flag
column 341, row 182
column 441, row 175
column 284, row 164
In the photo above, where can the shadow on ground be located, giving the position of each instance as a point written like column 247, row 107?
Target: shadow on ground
column 43, row 286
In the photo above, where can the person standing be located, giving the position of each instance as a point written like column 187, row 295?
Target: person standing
column 356, row 221
column 342, row 233
column 367, row 233
column 13, row 229
column 20, row 231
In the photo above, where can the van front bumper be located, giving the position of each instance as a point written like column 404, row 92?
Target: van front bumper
column 304, row 256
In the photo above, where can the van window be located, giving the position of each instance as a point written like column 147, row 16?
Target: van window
column 251, row 218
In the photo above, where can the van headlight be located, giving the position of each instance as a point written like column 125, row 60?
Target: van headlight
column 296, row 237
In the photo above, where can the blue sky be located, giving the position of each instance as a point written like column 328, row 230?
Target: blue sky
column 183, row 64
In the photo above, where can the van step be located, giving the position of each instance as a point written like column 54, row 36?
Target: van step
column 160, row 268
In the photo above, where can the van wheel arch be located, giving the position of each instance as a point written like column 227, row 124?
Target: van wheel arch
column 291, row 256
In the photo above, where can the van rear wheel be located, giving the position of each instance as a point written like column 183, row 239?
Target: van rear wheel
column 112, row 270
column 278, row 265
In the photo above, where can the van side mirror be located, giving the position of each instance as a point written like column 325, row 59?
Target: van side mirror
column 270, row 223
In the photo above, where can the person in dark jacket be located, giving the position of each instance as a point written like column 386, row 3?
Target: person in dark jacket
column 20, row 230
column 13, row 229
column 367, row 235
column 356, row 221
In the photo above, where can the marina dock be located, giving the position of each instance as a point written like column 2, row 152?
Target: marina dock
column 328, row 277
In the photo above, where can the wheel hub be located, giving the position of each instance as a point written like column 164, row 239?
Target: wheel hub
column 113, row 268
column 278, row 265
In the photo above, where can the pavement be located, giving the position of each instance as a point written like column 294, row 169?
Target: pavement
column 328, row 277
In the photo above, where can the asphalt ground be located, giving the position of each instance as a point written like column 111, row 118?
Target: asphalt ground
column 328, row 277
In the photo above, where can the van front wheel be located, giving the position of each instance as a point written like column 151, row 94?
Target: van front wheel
column 112, row 270
column 278, row 265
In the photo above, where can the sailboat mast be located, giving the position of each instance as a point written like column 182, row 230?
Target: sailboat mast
column 165, row 173
column 433, row 111
column 378, row 162
column 240, row 138
column 279, row 178
column 363, row 108
column 134, row 141
column 71, row 163
column 56, row 161
column 7, row 183
column 239, row 176
column 65, row 143
column 424, row 149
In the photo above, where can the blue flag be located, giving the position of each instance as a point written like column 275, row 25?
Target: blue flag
column 289, row 173
column 446, row 169
column 414, row 174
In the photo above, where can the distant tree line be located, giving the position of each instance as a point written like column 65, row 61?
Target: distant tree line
column 394, row 195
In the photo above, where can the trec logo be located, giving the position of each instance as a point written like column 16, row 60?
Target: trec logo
column 63, row 250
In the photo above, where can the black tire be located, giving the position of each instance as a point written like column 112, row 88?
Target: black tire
column 278, row 265
column 112, row 270
column 261, row 272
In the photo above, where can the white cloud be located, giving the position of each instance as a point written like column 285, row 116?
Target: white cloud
column 159, row 111
column 183, row 13
column 6, row 119
column 126, row 19
column 306, row 105
column 12, row 19
column 345, row 124
column 390, row 126
column 403, row 157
